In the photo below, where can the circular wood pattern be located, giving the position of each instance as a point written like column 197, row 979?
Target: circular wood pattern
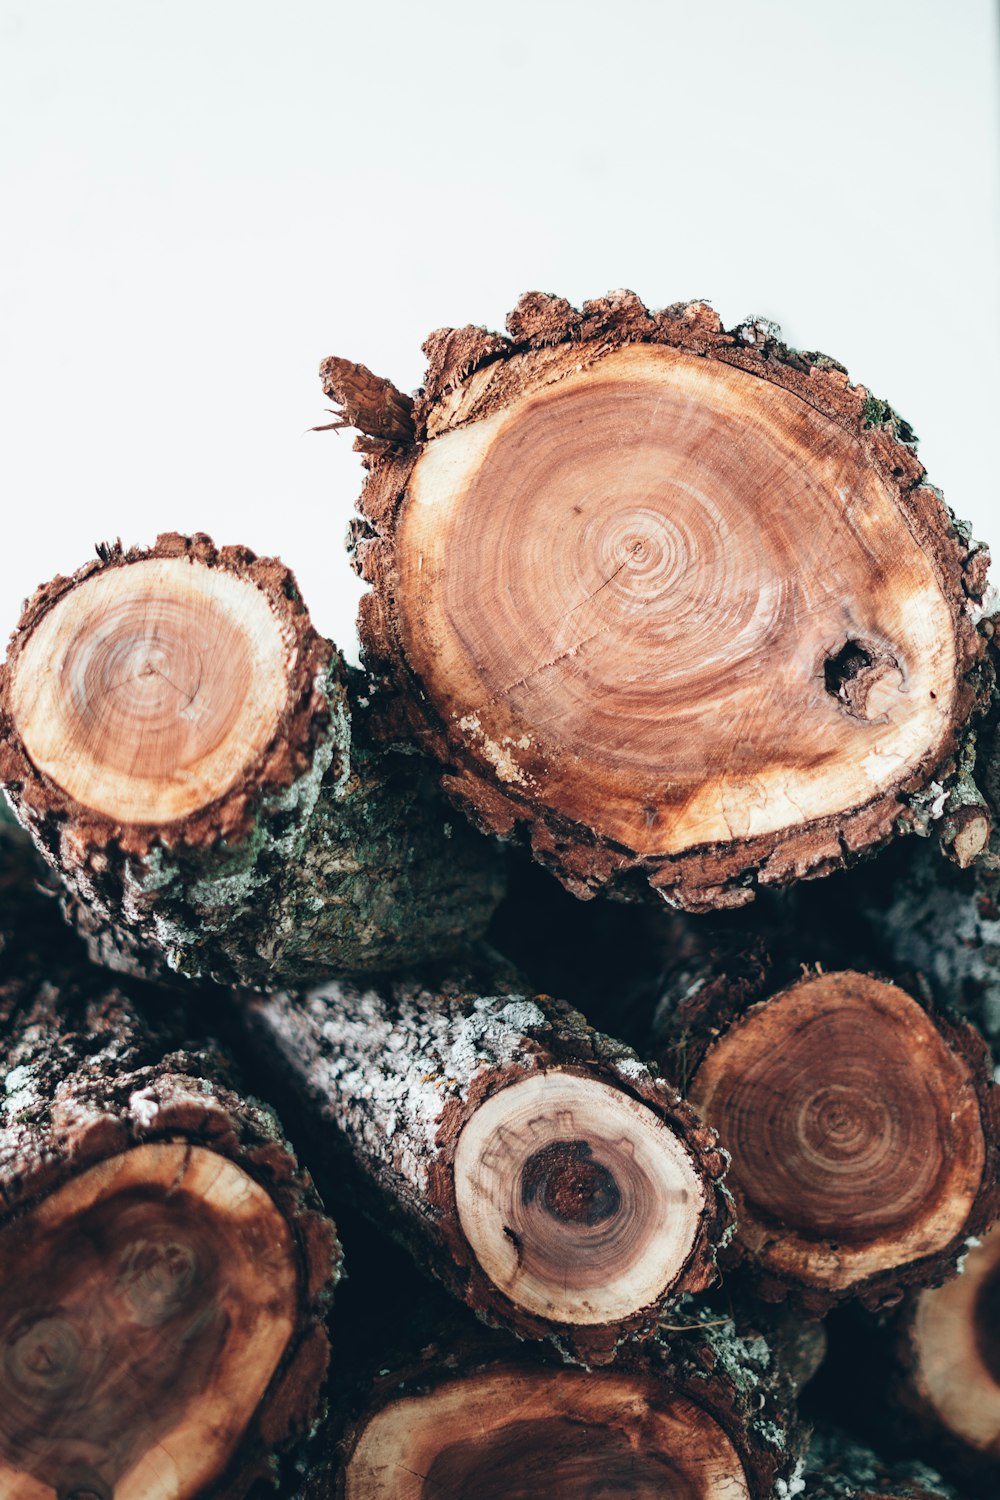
column 855, row 1131
column 144, row 1307
column 669, row 601
column 516, row 1434
column 147, row 689
column 578, row 1202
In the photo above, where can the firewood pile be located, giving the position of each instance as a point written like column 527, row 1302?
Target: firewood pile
column 553, row 1059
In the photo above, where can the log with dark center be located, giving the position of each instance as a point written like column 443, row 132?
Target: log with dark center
column 164, row 1264
column 704, row 1415
column 863, row 1127
column 537, row 1167
column 192, row 758
column 668, row 599
column 511, row 1434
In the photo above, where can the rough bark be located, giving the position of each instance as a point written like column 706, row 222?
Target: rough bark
column 916, row 912
column 699, row 1413
column 553, row 1182
column 165, row 1265
column 862, row 1121
column 840, row 1469
column 942, row 917
column 946, row 1388
column 603, row 582
column 232, row 822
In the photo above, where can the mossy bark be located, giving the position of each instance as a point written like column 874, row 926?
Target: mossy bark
column 393, row 1075
column 331, row 856
column 100, row 1079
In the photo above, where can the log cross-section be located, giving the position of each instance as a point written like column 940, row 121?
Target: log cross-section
column 863, row 1126
column 192, row 759
column 151, row 687
column 510, row 1434
column 146, row 1306
column 546, row 1175
column 667, row 599
column 576, row 1201
column 165, row 1265
column 702, row 1413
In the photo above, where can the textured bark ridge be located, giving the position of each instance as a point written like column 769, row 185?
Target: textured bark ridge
column 701, row 1414
column 839, row 1469
column 943, row 918
column 193, row 760
column 949, row 1362
column 863, row 1125
column 942, row 922
column 667, row 599
column 537, row 1167
column 164, row 1264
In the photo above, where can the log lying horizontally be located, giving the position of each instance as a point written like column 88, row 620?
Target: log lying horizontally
column 948, row 1381
column 673, row 601
column 863, row 1124
column 191, row 758
column 536, row 1166
column 699, row 1414
column 164, row 1264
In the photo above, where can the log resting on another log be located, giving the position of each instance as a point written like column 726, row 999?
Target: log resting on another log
column 537, row 1167
column 165, row 1266
column 862, row 1121
column 192, row 759
column 675, row 603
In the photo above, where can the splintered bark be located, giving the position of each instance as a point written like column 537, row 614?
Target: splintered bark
column 840, row 1469
column 698, row 1414
column 665, row 599
column 535, row 1166
column 164, row 1264
column 192, row 759
column 863, row 1126
column 949, row 1359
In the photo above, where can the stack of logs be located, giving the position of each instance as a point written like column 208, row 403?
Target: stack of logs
column 679, row 1139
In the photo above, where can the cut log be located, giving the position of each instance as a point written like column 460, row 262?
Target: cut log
column 840, row 1469
column 165, row 1266
column 863, row 1125
column 192, row 759
column 537, row 1167
column 673, row 602
column 949, row 1359
column 703, row 1415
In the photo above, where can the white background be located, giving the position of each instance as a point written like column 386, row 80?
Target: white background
column 200, row 199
